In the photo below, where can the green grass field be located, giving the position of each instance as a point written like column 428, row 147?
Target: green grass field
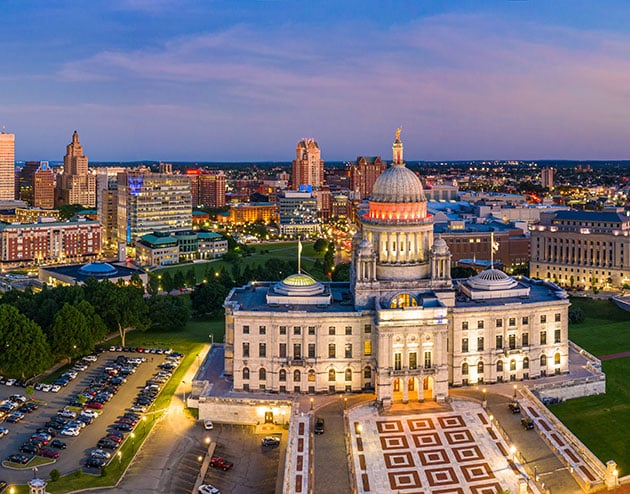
column 602, row 422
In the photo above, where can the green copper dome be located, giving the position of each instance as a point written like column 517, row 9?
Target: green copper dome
column 299, row 280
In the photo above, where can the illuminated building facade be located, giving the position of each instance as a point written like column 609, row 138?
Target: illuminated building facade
column 363, row 174
column 253, row 212
column 582, row 249
column 307, row 167
column 44, row 187
column 401, row 326
column 7, row 166
column 76, row 184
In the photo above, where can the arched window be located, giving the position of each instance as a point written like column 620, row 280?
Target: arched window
column 403, row 300
column 297, row 376
column 245, row 373
column 556, row 359
column 500, row 366
column 543, row 360
column 526, row 363
column 367, row 372
column 311, row 375
column 465, row 369
column 512, row 365
column 282, row 375
column 480, row 368
column 262, row 374
column 332, row 375
column 348, row 374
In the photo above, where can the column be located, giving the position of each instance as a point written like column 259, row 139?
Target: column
column 398, row 259
column 405, row 390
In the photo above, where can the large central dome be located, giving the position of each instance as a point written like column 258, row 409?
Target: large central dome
column 397, row 184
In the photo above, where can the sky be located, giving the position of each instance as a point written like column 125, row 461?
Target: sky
column 179, row 80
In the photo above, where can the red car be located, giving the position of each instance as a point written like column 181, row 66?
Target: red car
column 49, row 453
column 219, row 462
column 114, row 438
column 94, row 405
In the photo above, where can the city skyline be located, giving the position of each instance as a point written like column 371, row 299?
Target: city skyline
column 159, row 80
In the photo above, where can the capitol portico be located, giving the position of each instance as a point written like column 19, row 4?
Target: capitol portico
column 401, row 326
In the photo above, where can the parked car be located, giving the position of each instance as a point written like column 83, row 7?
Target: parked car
column 208, row 489
column 123, row 427
column 220, row 462
column 515, row 407
column 30, row 448
column 319, row 426
column 94, row 405
column 100, row 453
column 14, row 417
column 527, row 423
column 3, row 431
column 89, row 413
column 208, row 425
column 20, row 459
column 70, row 431
column 95, row 462
column 58, row 444
column 271, row 441
column 67, row 414
column 107, row 444
column 49, row 453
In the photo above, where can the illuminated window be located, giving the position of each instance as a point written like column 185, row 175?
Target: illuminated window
column 348, row 374
column 464, row 369
column 367, row 348
column 403, row 300
column 332, row 375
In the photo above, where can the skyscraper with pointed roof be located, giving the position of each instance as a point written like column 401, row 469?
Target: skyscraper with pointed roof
column 76, row 185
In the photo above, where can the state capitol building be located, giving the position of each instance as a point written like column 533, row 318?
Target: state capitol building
column 401, row 327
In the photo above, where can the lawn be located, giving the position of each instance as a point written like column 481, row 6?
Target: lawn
column 602, row 422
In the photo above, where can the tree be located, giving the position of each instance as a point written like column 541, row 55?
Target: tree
column 178, row 280
column 24, row 351
column 191, row 279
column 167, row 282
column 320, row 245
column 136, row 281
column 168, row 312
column 70, row 335
column 576, row 315
column 95, row 322
column 329, row 259
column 67, row 211
column 208, row 298
column 341, row 272
column 458, row 272
column 153, row 286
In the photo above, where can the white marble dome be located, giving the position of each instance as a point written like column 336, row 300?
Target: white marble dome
column 440, row 247
column 492, row 279
column 365, row 248
column 397, row 184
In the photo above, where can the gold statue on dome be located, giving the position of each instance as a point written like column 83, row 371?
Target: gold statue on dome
column 398, row 130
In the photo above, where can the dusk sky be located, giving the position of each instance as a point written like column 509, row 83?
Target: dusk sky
column 178, row 80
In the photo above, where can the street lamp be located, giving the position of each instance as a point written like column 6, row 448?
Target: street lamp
column 207, row 441
column 184, row 393
column 312, row 401
column 483, row 394
column 120, row 460
column 359, row 429
column 345, row 403
column 514, row 392
column 133, row 443
column 144, row 421
column 513, row 452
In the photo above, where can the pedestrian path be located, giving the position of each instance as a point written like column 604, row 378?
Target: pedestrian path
column 449, row 452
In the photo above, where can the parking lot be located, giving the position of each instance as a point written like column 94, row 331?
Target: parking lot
column 74, row 456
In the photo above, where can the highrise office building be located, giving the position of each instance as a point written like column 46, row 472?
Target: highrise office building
column 76, row 185
column 363, row 174
column 150, row 202
column 307, row 167
column 7, row 166
column 212, row 189
column 44, row 186
column 546, row 178
column 25, row 181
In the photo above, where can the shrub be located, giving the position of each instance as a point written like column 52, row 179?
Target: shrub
column 54, row 475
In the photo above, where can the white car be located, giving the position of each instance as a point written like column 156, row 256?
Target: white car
column 55, row 388
column 10, row 382
column 138, row 408
column 100, row 453
column 3, row 431
column 208, row 489
column 67, row 414
column 90, row 413
column 90, row 358
column 208, row 425
column 70, row 431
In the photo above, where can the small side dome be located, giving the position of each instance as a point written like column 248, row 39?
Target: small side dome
column 299, row 280
column 98, row 269
column 365, row 249
column 492, row 279
column 440, row 247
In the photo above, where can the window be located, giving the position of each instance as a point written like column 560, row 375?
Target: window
column 311, row 375
column 543, row 337
column 512, row 321
column 282, row 375
column 332, row 376
column 297, row 351
column 480, row 344
column 262, row 350
column 557, row 318
column 556, row 336
column 367, row 348
column 499, row 341
column 543, row 319
column 262, row 374
column 283, row 330
column 331, row 330
column 367, row 373
column 262, row 330
column 543, row 360
column 297, row 330
column 512, row 341
column 480, row 368
column 245, row 373
column 332, row 350
column 525, row 338
column 348, row 350
column 427, row 360
column 348, row 330
column 500, row 366
column 245, row 329
column 367, row 329
column 245, row 350
column 311, row 350
column 526, row 363
column 479, row 324
column 348, row 375
column 499, row 323
column 525, row 321
column 397, row 361
column 464, row 345
column 556, row 359
column 512, row 365
column 283, row 350
column 311, row 330
column 464, row 369
column 464, row 325
column 413, row 360
column 297, row 376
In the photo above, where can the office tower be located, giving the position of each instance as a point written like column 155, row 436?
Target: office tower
column 363, row 174
column 546, row 178
column 7, row 166
column 107, row 204
column 212, row 189
column 150, row 202
column 194, row 185
column 76, row 185
column 308, row 167
column 25, row 181
column 298, row 213
column 44, row 186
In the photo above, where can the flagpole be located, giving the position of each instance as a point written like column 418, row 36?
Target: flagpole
column 299, row 255
column 491, row 250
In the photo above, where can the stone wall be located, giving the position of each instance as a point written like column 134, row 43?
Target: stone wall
column 242, row 411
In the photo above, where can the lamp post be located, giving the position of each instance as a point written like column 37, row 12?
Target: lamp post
column 483, row 399
column 513, row 452
column 312, row 401
column 514, row 392
column 133, row 443
column 144, row 422
column 184, row 393
column 120, row 460
column 345, row 403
